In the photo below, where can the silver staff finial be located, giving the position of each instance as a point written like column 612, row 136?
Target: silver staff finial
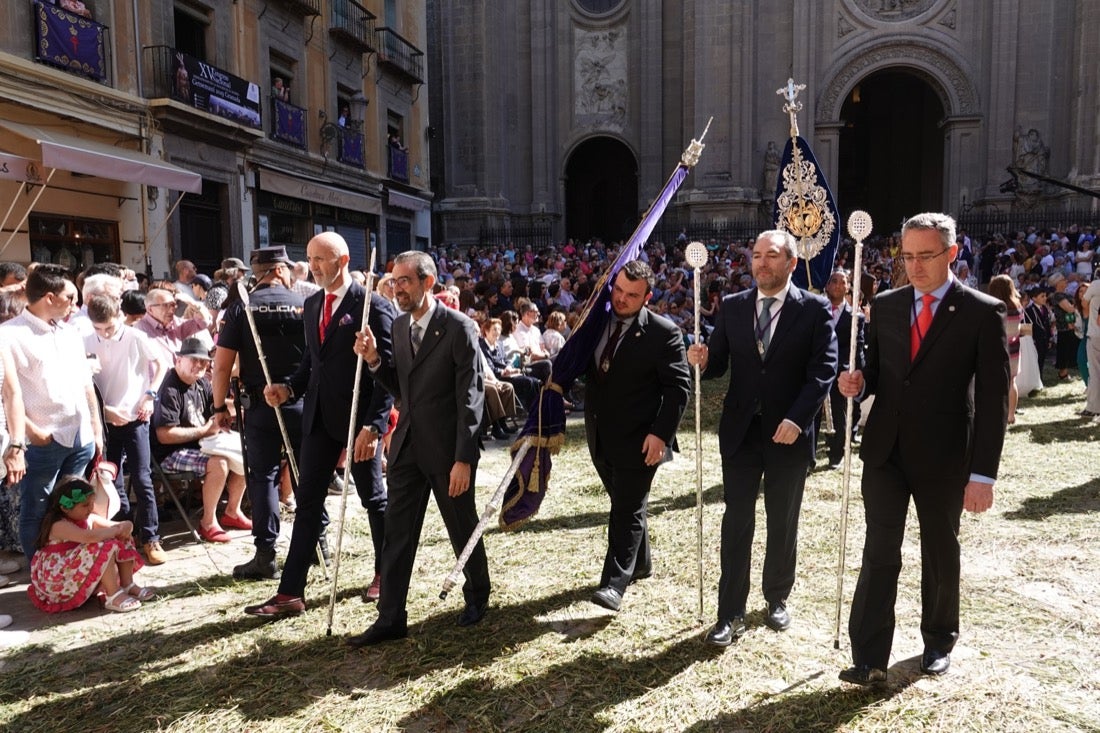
column 695, row 148
column 792, row 107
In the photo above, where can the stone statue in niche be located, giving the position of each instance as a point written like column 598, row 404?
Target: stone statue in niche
column 771, row 170
column 600, row 77
column 1031, row 154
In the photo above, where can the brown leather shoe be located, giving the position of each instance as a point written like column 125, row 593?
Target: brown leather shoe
column 154, row 553
column 274, row 608
column 374, row 590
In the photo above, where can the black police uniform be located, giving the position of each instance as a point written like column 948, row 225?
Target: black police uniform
column 277, row 313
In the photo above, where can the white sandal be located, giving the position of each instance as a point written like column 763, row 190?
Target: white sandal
column 142, row 594
column 125, row 605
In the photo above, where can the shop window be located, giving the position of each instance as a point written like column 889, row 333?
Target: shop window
column 73, row 243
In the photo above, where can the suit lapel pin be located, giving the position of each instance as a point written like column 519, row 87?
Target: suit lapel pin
column 951, row 309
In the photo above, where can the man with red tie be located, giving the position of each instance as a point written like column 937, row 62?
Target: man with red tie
column 930, row 436
column 326, row 378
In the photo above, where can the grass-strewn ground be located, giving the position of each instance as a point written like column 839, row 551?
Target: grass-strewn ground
column 545, row 659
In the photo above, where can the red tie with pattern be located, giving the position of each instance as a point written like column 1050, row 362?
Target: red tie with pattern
column 326, row 317
column 921, row 324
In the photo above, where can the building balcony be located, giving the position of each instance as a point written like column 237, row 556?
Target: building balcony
column 400, row 55
column 288, row 123
column 304, row 7
column 399, row 164
column 71, row 42
column 353, row 24
column 349, row 147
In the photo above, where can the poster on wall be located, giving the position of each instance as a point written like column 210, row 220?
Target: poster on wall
column 218, row 92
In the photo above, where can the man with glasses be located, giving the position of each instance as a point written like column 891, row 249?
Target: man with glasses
column 167, row 330
column 937, row 364
column 63, row 426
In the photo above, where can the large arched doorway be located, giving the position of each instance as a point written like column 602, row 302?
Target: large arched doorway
column 601, row 191
column 890, row 162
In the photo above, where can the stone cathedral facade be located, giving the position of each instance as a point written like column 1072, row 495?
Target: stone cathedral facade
column 570, row 114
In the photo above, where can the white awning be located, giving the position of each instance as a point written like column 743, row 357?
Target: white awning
column 304, row 188
column 92, row 158
column 404, row 201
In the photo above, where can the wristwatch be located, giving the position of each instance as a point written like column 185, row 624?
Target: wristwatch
column 21, row 445
column 371, row 429
column 223, row 408
column 289, row 392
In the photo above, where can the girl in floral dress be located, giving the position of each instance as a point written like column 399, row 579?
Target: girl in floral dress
column 80, row 553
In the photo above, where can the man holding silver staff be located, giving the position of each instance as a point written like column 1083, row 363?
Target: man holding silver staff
column 637, row 387
column 937, row 365
column 435, row 372
column 277, row 314
column 326, row 376
column 841, row 314
column 777, row 342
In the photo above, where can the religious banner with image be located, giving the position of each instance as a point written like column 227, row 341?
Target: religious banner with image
column 70, row 41
column 218, row 92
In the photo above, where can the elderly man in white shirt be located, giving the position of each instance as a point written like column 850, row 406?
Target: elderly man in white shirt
column 63, row 424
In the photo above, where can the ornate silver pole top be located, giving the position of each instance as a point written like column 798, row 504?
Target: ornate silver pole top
column 695, row 149
column 792, row 107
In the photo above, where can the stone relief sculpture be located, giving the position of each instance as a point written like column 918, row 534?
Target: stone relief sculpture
column 599, row 77
column 771, row 170
column 894, row 9
column 1031, row 154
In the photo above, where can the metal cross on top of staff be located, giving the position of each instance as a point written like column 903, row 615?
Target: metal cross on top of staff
column 804, row 205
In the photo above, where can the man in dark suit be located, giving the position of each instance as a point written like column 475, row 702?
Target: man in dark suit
column 436, row 374
column 778, row 344
column 637, row 386
column 937, row 363
column 326, row 375
column 836, row 290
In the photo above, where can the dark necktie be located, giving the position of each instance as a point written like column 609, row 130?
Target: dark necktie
column 326, row 316
column 415, row 338
column 764, row 325
column 609, row 347
column 921, row 324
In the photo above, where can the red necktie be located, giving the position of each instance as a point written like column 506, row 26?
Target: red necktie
column 326, row 317
column 921, row 325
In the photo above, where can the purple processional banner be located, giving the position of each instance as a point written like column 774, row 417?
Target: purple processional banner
column 218, row 92
column 69, row 41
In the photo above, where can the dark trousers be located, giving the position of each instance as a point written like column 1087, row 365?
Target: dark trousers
column 886, row 492
column 627, row 532
column 132, row 441
column 320, row 452
column 264, row 445
column 527, row 388
column 784, row 469
column 409, row 489
column 834, row 442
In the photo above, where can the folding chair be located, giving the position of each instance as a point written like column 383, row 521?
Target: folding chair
column 166, row 479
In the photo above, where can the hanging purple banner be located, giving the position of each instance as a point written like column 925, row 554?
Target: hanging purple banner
column 212, row 90
column 290, row 123
column 69, row 41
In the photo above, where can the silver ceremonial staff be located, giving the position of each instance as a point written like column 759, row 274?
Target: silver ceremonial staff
column 859, row 226
column 349, row 448
column 696, row 255
column 290, row 460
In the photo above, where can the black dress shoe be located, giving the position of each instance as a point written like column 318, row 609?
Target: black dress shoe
column 274, row 608
column 472, row 613
column 778, row 619
column 725, row 632
column 608, row 597
column 641, row 573
column 863, row 674
column 376, row 634
column 934, row 662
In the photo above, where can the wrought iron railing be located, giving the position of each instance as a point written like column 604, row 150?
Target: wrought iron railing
column 304, row 7
column 536, row 234
column 399, row 164
column 288, row 123
column 353, row 23
column 349, row 147
column 72, row 42
column 396, row 52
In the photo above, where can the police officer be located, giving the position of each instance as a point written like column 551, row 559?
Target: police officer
column 277, row 312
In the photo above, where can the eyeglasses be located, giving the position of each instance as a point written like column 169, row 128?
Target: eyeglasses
column 909, row 259
column 75, row 496
column 405, row 281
